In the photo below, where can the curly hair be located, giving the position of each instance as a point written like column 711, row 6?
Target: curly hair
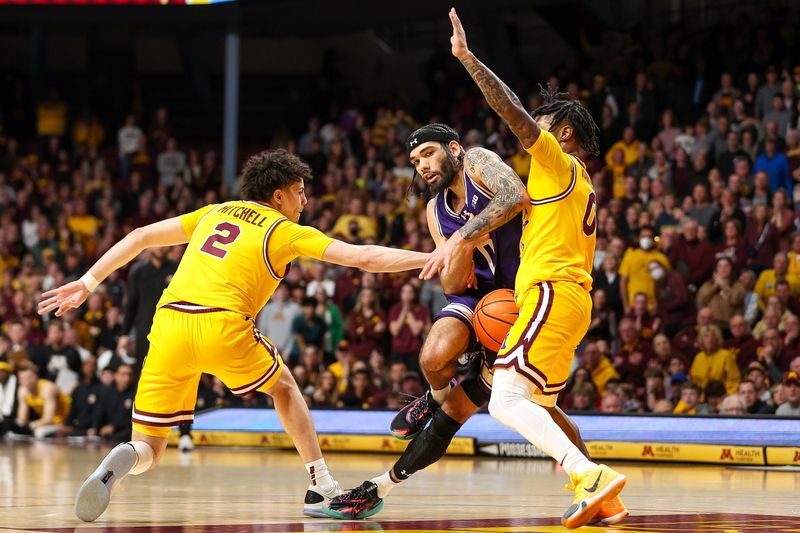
column 270, row 170
column 573, row 113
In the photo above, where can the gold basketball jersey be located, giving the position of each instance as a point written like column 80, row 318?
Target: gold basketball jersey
column 237, row 255
column 558, row 235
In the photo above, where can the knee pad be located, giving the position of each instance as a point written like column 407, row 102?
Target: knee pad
column 478, row 381
column 428, row 447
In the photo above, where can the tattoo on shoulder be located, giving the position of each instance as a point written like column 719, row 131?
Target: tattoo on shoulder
column 492, row 171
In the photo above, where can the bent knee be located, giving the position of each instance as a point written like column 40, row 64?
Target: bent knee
column 444, row 348
column 499, row 405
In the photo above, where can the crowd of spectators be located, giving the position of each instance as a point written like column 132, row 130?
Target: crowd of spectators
column 697, row 269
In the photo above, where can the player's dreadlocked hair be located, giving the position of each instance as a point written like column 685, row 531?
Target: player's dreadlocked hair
column 573, row 113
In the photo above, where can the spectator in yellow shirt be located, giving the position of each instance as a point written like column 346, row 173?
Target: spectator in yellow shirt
column 634, row 272
column 794, row 256
column 51, row 116
column 615, row 173
column 521, row 161
column 714, row 362
column 598, row 364
column 629, row 146
column 355, row 226
column 765, row 286
column 342, row 367
column 87, row 132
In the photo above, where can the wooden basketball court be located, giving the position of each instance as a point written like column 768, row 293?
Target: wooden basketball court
column 227, row 491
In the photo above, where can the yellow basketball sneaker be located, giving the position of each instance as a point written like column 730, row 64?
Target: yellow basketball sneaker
column 611, row 512
column 591, row 490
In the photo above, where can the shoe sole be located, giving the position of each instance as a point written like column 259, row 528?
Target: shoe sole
column 342, row 516
column 590, row 507
column 611, row 520
column 405, row 437
column 92, row 499
column 315, row 511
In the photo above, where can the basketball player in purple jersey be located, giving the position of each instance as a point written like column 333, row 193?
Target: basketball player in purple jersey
column 458, row 179
column 463, row 183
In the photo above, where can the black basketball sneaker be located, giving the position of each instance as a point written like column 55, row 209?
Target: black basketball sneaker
column 356, row 504
column 413, row 418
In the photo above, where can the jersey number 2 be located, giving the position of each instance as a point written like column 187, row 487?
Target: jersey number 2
column 590, row 214
column 231, row 233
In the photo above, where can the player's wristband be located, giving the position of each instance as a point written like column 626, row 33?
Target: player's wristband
column 90, row 281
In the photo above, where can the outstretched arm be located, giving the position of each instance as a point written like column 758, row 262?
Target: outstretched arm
column 502, row 99
column 510, row 197
column 373, row 258
column 168, row 232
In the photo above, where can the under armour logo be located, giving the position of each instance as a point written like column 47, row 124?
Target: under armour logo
column 413, row 141
column 402, row 472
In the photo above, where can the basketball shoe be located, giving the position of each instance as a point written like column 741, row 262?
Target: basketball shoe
column 591, row 490
column 313, row 505
column 611, row 512
column 95, row 493
column 413, row 418
column 356, row 504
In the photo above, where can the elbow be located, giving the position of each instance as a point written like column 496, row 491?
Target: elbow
column 367, row 260
column 523, row 199
column 137, row 237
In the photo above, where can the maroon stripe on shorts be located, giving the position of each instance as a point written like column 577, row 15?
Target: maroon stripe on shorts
column 159, row 415
column 173, row 306
column 254, row 385
column 163, row 424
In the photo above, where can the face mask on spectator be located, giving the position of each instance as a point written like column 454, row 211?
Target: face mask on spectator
column 645, row 243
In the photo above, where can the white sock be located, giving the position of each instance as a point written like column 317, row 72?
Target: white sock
column 385, row 484
column 511, row 405
column 440, row 395
column 318, row 472
column 144, row 457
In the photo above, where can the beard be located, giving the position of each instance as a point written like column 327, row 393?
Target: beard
column 450, row 166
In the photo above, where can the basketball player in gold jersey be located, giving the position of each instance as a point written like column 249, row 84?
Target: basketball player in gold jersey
column 553, row 281
column 237, row 254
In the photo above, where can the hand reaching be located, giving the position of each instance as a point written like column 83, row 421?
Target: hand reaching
column 459, row 39
column 64, row 298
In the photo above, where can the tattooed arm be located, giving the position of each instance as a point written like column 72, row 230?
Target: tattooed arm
column 510, row 195
column 502, row 99
column 509, row 198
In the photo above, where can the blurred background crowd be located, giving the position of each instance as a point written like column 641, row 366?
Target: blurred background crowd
column 697, row 269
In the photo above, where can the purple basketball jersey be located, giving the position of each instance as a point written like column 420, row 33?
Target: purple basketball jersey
column 496, row 262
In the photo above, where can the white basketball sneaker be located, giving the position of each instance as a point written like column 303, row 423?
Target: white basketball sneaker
column 95, row 493
column 315, row 497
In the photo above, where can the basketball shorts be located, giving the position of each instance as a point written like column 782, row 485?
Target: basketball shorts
column 461, row 307
column 187, row 340
column 553, row 318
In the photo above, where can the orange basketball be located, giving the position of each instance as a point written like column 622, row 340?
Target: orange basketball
column 494, row 315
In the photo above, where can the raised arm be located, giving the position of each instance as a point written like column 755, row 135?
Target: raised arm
column 502, row 99
column 168, row 232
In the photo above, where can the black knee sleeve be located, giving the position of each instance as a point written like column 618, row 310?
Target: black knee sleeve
column 478, row 381
column 428, row 447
